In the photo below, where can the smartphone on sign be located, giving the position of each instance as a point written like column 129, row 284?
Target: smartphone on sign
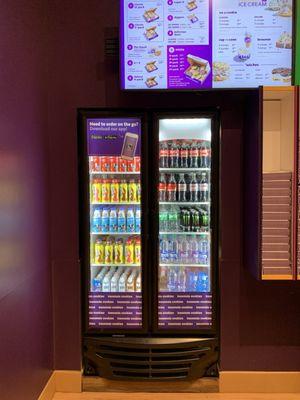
column 129, row 145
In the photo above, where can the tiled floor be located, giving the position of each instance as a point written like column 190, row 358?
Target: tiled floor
column 174, row 396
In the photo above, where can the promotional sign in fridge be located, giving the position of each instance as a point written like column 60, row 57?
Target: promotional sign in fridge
column 114, row 154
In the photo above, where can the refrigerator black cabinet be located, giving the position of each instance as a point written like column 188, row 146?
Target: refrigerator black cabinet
column 149, row 242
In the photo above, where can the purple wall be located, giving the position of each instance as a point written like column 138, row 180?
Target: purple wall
column 26, row 334
column 260, row 322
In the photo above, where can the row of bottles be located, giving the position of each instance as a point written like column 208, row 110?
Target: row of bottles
column 115, row 279
column 115, row 190
column 180, row 279
column 183, row 219
column 110, row 251
column 183, row 187
column 184, row 250
column 184, row 154
column 116, row 219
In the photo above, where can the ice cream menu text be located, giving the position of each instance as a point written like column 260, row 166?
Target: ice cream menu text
column 198, row 44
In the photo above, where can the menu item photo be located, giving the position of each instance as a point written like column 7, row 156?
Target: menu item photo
column 243, row 54
column 282, row 74
column 151, row 33
column 274, row 5
column 198, row 70
column 150, row 15
column 285, row 41
column 221, row 71
column 193, row 18
column 192, row 5
column 150, row 66
column 151, row 82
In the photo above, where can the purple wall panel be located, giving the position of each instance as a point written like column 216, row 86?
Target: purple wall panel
column 26, row 333
column 251, row 311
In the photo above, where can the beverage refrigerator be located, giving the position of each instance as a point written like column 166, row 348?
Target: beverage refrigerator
column 148, row 198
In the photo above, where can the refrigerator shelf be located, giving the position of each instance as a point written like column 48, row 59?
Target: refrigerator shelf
column 116, row 233
column 184, row 233
column 185, row 265
column 185, row 203
column 115, row 265
column 181, row 170
column 114, row 173
column 118, row 203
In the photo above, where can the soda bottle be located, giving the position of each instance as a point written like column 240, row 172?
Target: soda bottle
column 172, row 280
column 119, row 252
column 114, row 191
column 184, row 251
column 96, row 221
column 203, row 188
column 162, row 188
column 174, row 155
column 164, row 250
column 194, row 188
column 113, row 222
column 132, row 191
column 123, row 191
column 105, row 220
column 163, row 155
column 163, row 279
column 108, row 252
column 184, row 155
column 99, row 251
column 181, row 280
column 172, row 216
column 121, row 220
column 163, row 219
column 181, row 188
column 137, row 251
column 208, row 155
column 203, row 153
column 138, row 220
column 194, row 250
column 171, row 188
column 194, row 154
column 130, row 226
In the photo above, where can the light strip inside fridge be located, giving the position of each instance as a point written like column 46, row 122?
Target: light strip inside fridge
column 185, row 298
column 114, row 152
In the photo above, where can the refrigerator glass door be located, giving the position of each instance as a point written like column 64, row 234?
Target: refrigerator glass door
column 114, row 154
column 184, row 195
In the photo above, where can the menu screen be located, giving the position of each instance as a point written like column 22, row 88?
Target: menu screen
column 202, row 44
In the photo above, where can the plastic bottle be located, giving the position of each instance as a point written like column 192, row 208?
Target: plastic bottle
column 163, row 279
column 203, row 153
column 164, row 251
column 97, row 281
column 203, row 188
column 123, row 191
column 108, row 252
column 203, row 251
column 119, row 252
column 172, row 280
column 138, row 283
column 137, row 251
column 96, row 221
column 173, row 249
column 181, row 188
column 129, row 251
column 105, row 220
column 194, row 154
column 171, row 188
column 121, row 220
column 202, row 282
column 184, row 155
column 194, row 250
column 123, row 280
column 130, row 225
column 174, row 155
column 163, row 155
column 138, row 220
column 107, row 280
column 181, row 280
column 115, row 191
column 113, row 222
column 163, row 219
column 99, row 251
column 184, row 251
column 162, row 188
column 194, row 188
column 114, row 283
column 172, row 219
column 131, row 280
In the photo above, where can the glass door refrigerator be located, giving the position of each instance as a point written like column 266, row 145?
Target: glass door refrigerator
column 148, row 193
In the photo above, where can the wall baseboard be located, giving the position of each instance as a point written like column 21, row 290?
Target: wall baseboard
column 62, row 381
column 259, row 382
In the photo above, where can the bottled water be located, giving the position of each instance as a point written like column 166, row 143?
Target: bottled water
column 202, row 282
column 138, row 220
column 181, row 280
column 194, row 250
column 97, row 281
column 123, row 280
column 114, row 287
column 96, row 221
column 164, row 250
column 204, row 252
column 107, row 280
column 173, row 249
column 184, row 251
column 172, row 280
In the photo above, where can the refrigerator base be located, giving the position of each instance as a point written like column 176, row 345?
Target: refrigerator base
column 150, row 358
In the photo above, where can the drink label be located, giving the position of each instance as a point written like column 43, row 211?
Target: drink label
column 162, row 186
column 184, row 153
column 163, row 153
column 193, row 187
column 203, row 187
column 182, row 187
column 130, row 224
column 172, row 187
column 194, row 153
column 174, row 153
column 203, row 152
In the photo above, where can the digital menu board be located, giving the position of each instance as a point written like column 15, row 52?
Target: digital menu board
column 203, row 44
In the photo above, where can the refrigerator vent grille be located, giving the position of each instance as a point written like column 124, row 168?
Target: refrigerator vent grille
column 148, row 362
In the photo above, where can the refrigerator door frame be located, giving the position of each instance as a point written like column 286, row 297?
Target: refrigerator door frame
column 84, row 216
column 214, row 115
